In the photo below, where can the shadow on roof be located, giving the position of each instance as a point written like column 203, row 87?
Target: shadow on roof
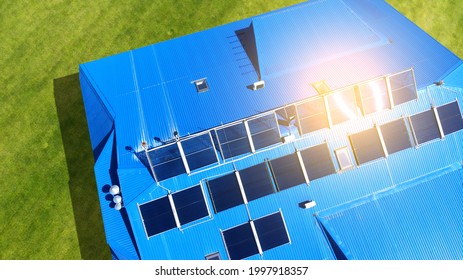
column 79, row 160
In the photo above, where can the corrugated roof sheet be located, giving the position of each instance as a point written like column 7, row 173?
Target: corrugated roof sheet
column 413, row 220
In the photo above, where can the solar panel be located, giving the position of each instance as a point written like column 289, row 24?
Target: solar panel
column 425, row 126
column 271, row 231
column 312, row 115
column 190, row 204
column 287, row 171
column 225, row 192
column 403, row 87
column 264, row 131
column 166, row 162
column 233, row 140
column 317, row 161
column 395, row 135
column 256, row 181
column 199, row 151
column 287, row 120
column 157, row 216
column 450, row 117
column 374, row 96
column 343, row 106
column 366, row 146
column 240, row 242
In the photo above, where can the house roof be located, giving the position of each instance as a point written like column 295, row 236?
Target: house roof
column 147, row 94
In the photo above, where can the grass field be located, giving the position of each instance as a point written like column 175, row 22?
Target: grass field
column 49, row 200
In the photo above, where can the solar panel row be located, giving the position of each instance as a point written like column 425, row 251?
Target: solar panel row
column 263, row 131
column 425, row 126
column 346, row 104
column 174, row 210
column 241, row 241
column 266, row 178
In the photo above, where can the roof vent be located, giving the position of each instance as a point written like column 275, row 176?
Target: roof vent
column 308, row 204
column 258, row 85
column 201, row 85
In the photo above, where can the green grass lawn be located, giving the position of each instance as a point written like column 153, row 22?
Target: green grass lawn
column 48, row 193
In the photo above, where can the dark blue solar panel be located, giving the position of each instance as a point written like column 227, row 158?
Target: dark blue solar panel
column 233, row 140
column 395, row 135
column 425, row 126
column 343, row 106
column 256, row 181
column 271, row 231
column 403, row 87
column 157, row 216
column 225, row 192
column 312, row 115
column 199, row 151
column 166, row 162
column 264, row 131
column 287, row 172
column 240, row 242
column 366, row 145
column 450, row 117
column 374, row 96
column 317, row 161
column 190, row 204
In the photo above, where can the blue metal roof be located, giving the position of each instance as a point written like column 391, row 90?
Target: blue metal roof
column 146, row 94
column 414, row 220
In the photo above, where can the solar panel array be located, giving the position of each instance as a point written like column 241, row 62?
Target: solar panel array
column 394, row 136
column 173, row 211
column 249, row 135
column 269, row 177
column 256, row 236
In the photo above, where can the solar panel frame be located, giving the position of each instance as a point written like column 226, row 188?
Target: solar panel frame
column 264, row 131
column 312, row 115
column 256, row 181
column 197, row 156
column 366, row 146
column 240, row 242
column 287, row 172
column 271, row 231
column 317, row 161
column 424, row 127
column 450, row 117
column 171, row 163
column 164, row 219
column 233, row 140
column 403, row 87
column 396, row 136
column 196, row 206
column 227, row 197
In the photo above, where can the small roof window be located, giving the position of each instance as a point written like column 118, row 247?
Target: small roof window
column 201, row 85
column 343, row 157
column 213, row 256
